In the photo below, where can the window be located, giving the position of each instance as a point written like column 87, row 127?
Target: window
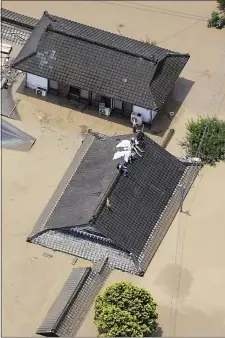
column 74, row 91
column 128, row 107
column 96, row 97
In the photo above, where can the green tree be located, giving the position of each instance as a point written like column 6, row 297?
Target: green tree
column 218, row 19
column 125, row 310
column 205, row 138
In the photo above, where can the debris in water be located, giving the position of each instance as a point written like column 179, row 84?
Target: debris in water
column 47, row 255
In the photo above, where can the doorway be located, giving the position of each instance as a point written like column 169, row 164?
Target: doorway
column 107, row 101
column 74, row 94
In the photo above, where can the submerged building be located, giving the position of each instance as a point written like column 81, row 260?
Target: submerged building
column 96, row 67
column 78, row 221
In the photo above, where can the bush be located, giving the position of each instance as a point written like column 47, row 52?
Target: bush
column 149, row 42
column 124, row 310
column 212, row 22
column 212, row 145
column 221, row 5
column 218, row 19
column 222, row 21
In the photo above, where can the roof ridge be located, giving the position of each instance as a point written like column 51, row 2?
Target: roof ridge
column 121, row 37
column 152, row 58
column 15, row 63
column 177, row 54
column 18, row 19
column 40, row 29
column 107, row 193
column 46, row 13
column 74, row 295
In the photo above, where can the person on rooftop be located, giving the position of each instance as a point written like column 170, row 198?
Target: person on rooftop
column 123, row 169
column 134, row 126
column 129, row 156
column 134, row 146
column 141, row 139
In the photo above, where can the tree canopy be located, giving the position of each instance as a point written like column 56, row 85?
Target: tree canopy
column 221, row 5
column 205, row 138
column 218, row 19
column 125, row 310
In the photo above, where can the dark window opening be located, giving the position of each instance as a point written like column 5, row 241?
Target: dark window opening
column 127, row 107
column 75, row 91
column 107, row 101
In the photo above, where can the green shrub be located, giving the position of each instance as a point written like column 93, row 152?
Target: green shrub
column 222, row 21
column 118, row 323
column 149, row 42
column 221, row 5
column 217, row 20
column 205, row 138
column 125, row 310
column 212, row 22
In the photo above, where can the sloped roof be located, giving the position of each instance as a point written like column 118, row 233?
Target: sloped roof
column 137, row 201
column 18, row 19
column 99, row 61
column 87, row 186
column 14, row 138
column 75, row 299
column 63, row 302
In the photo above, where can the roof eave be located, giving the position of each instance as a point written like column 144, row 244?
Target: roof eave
column 18, row 62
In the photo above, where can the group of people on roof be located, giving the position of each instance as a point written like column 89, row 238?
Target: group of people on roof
column 132, row 148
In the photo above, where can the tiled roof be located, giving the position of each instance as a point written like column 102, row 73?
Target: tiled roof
column 137, row 202
column 32, row 44
column 18, row 19
column 83, row 187
column 109, row 40
column 70, row 307
column 63, row 302
column 87, row 186
column 102, row 62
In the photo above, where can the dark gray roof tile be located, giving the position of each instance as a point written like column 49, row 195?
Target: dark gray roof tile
column 32, row 43
column 64, row 301
column 137, row 201
column 95, row 60
column 87, row 186
column 18, row 19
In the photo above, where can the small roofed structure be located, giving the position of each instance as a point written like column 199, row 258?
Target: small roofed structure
column 14, row 138
column 78, row 293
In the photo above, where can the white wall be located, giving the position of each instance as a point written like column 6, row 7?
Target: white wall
column 34, row 81
column 147, row 114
